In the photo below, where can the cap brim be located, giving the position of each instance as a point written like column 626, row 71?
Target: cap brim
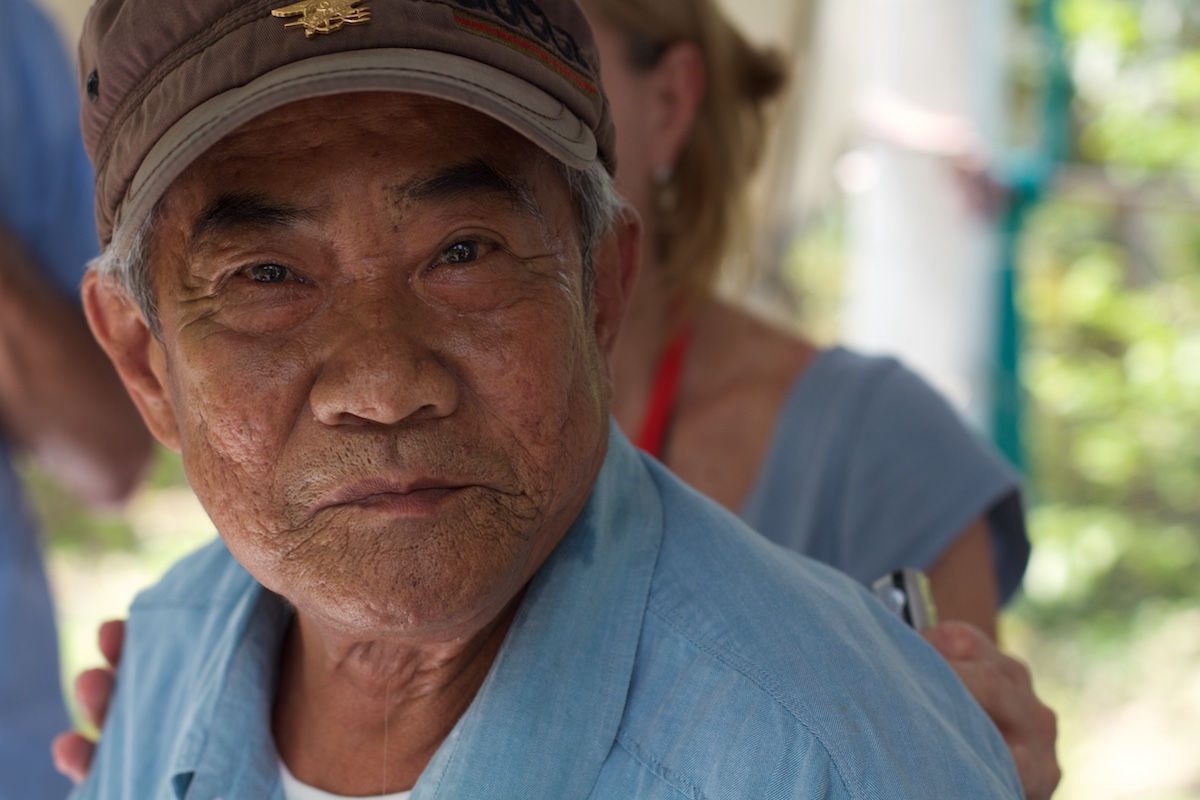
column 525, row 108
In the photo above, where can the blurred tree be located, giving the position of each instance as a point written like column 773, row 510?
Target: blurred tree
column 1111, row 296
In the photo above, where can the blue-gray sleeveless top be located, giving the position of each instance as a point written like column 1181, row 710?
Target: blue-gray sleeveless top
column 870, row 470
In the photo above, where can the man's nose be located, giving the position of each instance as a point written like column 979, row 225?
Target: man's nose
column 378, row 370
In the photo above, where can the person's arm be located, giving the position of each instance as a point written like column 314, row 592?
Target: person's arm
column 963, row 580
column 60, row 400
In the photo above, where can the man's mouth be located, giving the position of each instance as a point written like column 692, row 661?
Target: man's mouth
column 405, row 498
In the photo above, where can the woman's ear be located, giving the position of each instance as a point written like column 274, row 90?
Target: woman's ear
column 138, row 356
column 680, row 80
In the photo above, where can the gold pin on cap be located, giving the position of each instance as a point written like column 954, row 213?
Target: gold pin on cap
column 323, row 16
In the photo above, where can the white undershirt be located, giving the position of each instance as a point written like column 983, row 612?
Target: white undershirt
column 295, row 790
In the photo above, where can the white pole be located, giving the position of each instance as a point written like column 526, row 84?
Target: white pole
column 922, row 275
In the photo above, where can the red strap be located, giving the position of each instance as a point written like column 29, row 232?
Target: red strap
column 663, row 395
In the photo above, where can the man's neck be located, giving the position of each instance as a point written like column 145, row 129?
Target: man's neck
column 365, row 717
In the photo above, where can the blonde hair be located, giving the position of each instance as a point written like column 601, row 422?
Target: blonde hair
column 703, row 213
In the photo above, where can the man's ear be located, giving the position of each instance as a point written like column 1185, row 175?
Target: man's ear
column 680, row 80
column 138, row 356
column 616, row 262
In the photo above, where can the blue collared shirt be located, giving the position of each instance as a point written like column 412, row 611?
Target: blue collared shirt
column 663, row 651
column 46, row 202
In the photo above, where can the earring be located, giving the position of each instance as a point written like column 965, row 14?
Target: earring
column 662, row 175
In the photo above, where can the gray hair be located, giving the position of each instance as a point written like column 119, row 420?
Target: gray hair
column 592, row 194
column 130, row 271
column 597, row 207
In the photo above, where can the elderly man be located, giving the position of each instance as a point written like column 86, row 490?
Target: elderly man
column 362, row 266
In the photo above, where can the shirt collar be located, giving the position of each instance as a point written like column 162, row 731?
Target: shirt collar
column 228, row 749
column 547, row 715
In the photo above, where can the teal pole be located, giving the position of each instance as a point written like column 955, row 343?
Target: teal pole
column 1026, row 179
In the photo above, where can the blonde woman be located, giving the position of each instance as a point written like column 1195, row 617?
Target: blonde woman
column 848, row 459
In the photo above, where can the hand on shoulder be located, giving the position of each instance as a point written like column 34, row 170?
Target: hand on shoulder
column 1002, row 685
column 93, row 688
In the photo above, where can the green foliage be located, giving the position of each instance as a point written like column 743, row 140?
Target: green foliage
column 1111, row 299
column 1138, row 76
column 72, row 527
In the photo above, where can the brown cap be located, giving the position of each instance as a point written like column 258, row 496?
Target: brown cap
column 163, row 80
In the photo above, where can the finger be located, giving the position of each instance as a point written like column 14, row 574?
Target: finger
column 73, row 755
column 1013, row 706
column 94, row 689
column 1028, row 727
column 960, row 641
column 1016, row 670
column 1001, row 699
column 1003, row 687
column 112, row 639
column 1038, row 769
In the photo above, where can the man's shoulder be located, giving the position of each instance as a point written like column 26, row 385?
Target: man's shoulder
column 201, row 606
column 190, row 620
column 194, row 678
column 207, row 578
column 722, row 582
column 779, row 668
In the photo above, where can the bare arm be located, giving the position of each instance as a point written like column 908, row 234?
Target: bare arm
column 963, row 580
column 60, row 400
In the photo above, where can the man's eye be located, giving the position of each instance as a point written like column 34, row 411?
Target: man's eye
column 460, row 253
column 269, row 273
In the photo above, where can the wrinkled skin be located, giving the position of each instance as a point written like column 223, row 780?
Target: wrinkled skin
column 378, row 357
column 377, row 362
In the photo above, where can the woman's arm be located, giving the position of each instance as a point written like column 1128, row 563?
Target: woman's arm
column 963, row 580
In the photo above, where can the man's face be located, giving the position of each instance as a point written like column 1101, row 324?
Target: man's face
column 377, row 360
